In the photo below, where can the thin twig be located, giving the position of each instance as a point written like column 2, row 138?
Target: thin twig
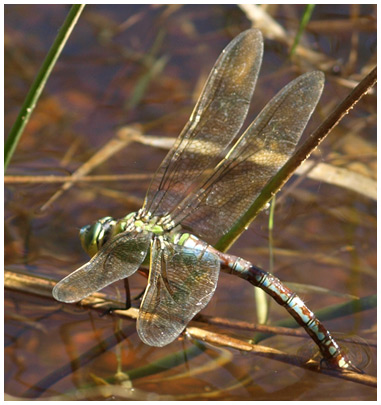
column 256, row 327
column 301, row 154
column 224, row 340
column 109, row 149
column 64, row 179
column 98, row 301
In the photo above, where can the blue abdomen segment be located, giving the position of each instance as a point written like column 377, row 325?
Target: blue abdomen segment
column 295, row 306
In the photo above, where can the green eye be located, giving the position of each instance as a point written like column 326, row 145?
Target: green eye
column 89, row 237
column 94, row 236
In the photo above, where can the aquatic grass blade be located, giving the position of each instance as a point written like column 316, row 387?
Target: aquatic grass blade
column 304, row 21
column 262, row 300
column 38, row 85
column 301, row 154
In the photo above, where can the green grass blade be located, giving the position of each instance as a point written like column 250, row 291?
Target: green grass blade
column 300, row 155
column 262, row 299
column 40, row 81
column 155, row 68
column 304, row 21
column 168, row 362
column 143, row 83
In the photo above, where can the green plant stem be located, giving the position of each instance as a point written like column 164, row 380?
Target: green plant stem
column 301, row 154
column 40, row 81
column 306, row 17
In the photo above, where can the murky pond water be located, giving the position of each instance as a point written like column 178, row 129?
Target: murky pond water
column 143, row 67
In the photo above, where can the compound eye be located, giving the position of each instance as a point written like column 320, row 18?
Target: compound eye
column 89, row 236
column 94, row 236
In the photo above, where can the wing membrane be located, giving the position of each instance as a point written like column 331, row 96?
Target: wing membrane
column 215, row 121
column 257, row 156
column 181, row 282
column 119, row 258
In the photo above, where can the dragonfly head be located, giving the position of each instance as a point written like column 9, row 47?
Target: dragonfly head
column 94, row 236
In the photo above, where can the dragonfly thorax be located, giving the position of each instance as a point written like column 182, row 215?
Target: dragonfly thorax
column 94, row 236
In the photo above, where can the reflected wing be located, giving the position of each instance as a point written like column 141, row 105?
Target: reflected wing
column 215, row 121
column 118, row 259
column 181, row 282
column 257, row 156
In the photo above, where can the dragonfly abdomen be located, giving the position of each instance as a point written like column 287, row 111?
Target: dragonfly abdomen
column 290, row 300
column 303, row 315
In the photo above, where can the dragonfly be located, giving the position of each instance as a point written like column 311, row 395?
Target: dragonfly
column 207, row 181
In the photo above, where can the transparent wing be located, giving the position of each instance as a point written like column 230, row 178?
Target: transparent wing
column 256, row 157
column 181, row 282
column 215, row 121
column 118, row 259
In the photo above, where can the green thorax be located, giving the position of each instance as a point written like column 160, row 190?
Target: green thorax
column 94, row 236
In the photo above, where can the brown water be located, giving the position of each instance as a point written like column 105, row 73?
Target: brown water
column 140, row 64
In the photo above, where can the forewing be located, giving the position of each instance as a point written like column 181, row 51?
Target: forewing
column 215, row 121
column 257, row 156
column 181, row 282
column 119, row 258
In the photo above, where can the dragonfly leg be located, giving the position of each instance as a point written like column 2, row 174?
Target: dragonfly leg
column 128, row 293
column 140, row 295
column 333, row 356
column 128, row 299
